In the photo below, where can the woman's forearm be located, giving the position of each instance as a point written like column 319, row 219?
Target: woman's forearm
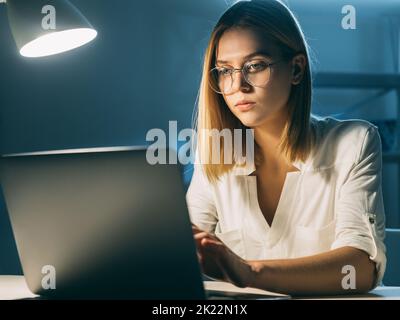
column 318, row 274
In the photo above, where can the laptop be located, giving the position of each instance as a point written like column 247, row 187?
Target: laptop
column 102, row 223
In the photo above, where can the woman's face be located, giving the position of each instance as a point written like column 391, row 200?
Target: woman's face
column 235, row 48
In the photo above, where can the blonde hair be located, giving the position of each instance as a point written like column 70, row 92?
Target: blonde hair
column 272, row 19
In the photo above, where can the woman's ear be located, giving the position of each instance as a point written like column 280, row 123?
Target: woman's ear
column 299, row 63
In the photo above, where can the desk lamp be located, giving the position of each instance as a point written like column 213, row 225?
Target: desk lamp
column 46, row 27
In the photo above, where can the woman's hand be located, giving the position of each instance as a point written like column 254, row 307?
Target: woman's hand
column 218, row 261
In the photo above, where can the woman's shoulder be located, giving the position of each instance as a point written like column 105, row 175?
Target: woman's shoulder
column 342, row 140
column 329, row 127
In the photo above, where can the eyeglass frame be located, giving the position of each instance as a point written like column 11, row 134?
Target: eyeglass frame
column 233, row 70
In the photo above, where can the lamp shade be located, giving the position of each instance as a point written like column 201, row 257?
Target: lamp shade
column 45, row 27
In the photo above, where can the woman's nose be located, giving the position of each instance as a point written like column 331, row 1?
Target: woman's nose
column 240, row 83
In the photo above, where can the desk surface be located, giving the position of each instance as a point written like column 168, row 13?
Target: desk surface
column 14, row 288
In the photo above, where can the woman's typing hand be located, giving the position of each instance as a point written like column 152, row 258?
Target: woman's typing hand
column 218, row 261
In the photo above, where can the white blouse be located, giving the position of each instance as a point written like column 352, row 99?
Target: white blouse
column 334, row 200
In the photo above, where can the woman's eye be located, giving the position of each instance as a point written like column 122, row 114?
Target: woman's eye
column 224, row 71
column 256, row 66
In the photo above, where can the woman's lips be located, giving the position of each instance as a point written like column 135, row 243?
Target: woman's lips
column 245, row 106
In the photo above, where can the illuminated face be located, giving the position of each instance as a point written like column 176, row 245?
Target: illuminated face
column 253, row 105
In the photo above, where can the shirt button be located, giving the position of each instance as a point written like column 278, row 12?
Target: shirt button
column 372, row 220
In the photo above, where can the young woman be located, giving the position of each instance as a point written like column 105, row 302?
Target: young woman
column 306, row 217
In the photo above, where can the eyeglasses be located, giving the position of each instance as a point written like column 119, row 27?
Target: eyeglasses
column 256, row 73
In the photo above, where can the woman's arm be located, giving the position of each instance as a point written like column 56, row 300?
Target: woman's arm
column 316, row 275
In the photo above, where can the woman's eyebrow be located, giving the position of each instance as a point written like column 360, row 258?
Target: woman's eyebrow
column 251, row 55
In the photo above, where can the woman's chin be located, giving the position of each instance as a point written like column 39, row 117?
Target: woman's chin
column 250, row 121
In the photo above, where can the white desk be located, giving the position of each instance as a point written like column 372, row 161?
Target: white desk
column 14, row 287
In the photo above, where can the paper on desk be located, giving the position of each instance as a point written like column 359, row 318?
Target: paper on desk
column 228, row 289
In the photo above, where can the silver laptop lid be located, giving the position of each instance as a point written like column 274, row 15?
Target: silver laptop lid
column 109, row 223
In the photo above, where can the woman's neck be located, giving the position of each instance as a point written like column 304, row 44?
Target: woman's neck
column 268, row 137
